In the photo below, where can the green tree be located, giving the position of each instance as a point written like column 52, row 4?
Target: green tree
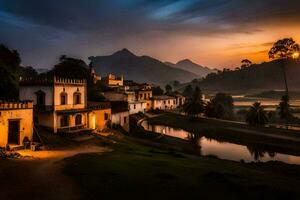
column 256, row 115
column 168, row 89
column 284, row 49
column 221, row 107
column 194, row 105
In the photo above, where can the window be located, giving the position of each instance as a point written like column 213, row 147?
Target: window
column 145, row 96
column 78, row 120
column 125, row 120
column 40, row 98
column 168, row 101
column 77, row 98
column 164, row 102
column 141, row 96
column 105, row 116
column 134, row 106
column 63, row 98
column 174, row 102
column 64, row 121
column 149, row 96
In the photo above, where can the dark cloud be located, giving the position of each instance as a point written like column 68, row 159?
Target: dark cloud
column 88, row 27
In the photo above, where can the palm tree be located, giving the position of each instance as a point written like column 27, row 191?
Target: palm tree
column 284, row 49
column 284, row 109
column 256, row 115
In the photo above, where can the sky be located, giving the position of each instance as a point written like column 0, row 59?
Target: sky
column 213, row 33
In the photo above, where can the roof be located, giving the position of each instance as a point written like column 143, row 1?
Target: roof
column 119, row 106
column 98, row 105
column 162, row 97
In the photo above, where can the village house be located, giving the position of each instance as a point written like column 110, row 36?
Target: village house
column 16, row 123
column 61, row 104
column 120, row 114
column 167, row 102
column 134, row 105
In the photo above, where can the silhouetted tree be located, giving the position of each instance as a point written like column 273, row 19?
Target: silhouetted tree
column 194, row 105
column 188, row 91
column 28, row 71
column 9, row 73
column 284, row 109
column 221, row 106
column 168, row 89
column 246, row 63
column 176, row 83
column 71, row 68
column 157, row 91
column 283, row 50
column 256, row 115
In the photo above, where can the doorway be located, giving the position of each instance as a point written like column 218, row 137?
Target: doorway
column 14, row 132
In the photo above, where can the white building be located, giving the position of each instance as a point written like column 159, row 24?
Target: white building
column 60, row 104
column 137, row 107
column 166, row 102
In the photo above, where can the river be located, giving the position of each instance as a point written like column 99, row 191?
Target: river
column 225, row 150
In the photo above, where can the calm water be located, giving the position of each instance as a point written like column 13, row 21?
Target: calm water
column 225, row 150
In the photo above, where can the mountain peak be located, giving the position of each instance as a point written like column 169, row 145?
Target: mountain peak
column 185, row 61
column 124, row 52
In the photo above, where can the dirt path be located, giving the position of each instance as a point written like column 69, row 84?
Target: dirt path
column 40, row 176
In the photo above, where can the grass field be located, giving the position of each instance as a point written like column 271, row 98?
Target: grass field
column 135, row 171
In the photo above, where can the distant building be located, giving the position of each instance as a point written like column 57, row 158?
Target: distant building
column 167, row 102
column 61, row 104
column 94, row 76
column 113, row 81
column 16, row 123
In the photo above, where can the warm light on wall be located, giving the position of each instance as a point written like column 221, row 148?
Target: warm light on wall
column 296, row 55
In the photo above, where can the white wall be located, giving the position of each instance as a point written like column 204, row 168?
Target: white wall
column 28, row 93
column 164, row 104
column 118, row 119
column 69, row 90
column 137, row 106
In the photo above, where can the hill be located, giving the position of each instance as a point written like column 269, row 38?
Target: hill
column 192, row 67
column 264, row 76
column 139, row 68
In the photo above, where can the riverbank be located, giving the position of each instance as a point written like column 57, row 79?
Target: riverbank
column 284, row 141
column 139, row 169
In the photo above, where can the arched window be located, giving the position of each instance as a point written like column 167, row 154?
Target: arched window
column 63, row 98
column 64, row 121
column 77, row 98
column 78, row 120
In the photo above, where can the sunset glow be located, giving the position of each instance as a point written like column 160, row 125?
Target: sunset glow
column 212, row 33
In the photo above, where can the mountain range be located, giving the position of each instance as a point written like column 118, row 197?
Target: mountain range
column 265, row 76
column 141, row 68
column 192, row 67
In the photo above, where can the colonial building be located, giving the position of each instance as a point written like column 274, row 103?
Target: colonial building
column 113, row 81
column 61, row 104
column 16, row 123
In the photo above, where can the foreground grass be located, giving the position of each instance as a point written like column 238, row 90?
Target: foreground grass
column 135, row 171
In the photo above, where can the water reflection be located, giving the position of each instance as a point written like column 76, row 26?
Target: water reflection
column 222, row 148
